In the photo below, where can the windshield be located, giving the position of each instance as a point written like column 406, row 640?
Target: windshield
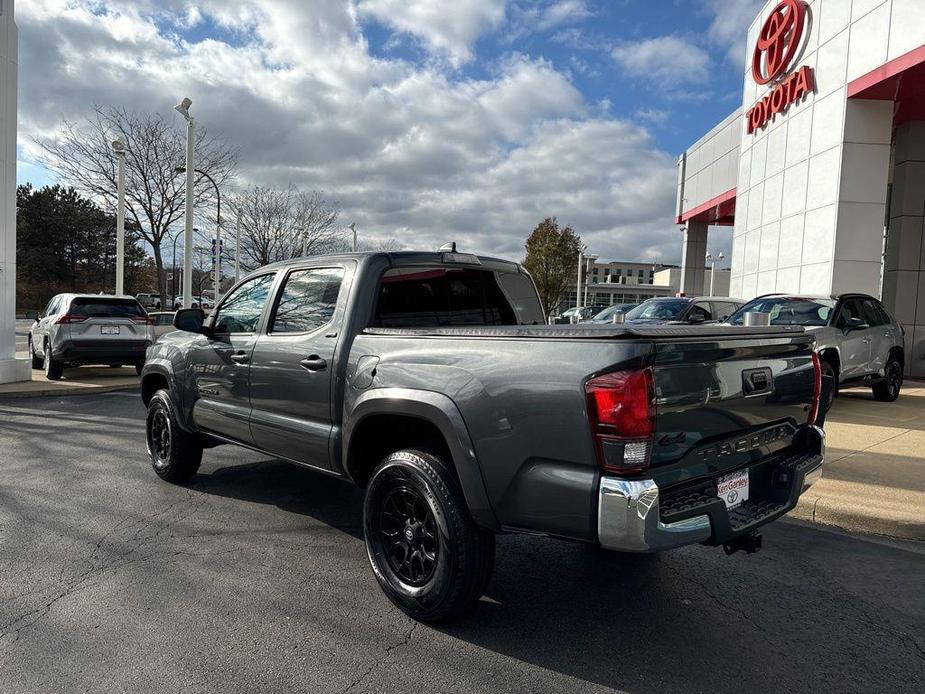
column 610, row 312
column 788, row 311
column 660, row 309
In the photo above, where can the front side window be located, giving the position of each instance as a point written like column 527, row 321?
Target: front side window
column 241, row 310
column 701, row 312
column 850, row 309
column 658, row 309
column 308, row 300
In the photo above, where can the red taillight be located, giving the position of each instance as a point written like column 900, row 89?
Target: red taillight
column 621, row 407
column 68, row 318
column 147, row 320
column 817, row 390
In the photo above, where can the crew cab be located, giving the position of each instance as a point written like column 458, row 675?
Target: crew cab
column 430, row 380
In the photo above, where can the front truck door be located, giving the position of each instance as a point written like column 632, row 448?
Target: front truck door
column 294, row 363
column 221, row 362
column 855, row 344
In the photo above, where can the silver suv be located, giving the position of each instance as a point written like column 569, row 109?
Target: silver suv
column 78, row 329
column 858, row 341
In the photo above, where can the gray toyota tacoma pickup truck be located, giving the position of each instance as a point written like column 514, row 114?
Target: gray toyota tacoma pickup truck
column 430, row 380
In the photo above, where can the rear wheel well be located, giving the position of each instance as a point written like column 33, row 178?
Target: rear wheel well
column 379, row 435
column 151, row 384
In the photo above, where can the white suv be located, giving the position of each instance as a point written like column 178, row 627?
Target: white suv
column 78, row 329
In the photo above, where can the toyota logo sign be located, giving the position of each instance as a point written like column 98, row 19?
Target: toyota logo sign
column 779, row 40
column 777, row 45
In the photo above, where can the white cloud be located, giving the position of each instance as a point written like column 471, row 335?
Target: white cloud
column 671, row 60
column 731, row 19
column 449, row 28
column 411, row 151
column 563, row 12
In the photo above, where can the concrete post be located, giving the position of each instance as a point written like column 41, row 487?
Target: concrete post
column 904, row 264
column 11, row 369
column 694, row 258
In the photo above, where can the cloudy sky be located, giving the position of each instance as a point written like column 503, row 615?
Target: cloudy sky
column 428, row 120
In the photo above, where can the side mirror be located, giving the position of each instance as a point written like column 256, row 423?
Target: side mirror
column 189, row 320
column 855, row 324
column 696, row 319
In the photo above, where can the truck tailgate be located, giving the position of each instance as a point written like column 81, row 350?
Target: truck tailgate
column 722, row 403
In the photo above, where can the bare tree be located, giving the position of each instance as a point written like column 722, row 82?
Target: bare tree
column 276, row 223
column 82, row 156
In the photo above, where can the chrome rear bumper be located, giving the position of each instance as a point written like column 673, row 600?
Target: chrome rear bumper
column 629, row 518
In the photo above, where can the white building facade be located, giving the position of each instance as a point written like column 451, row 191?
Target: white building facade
column 820, row 176
column 11, row 369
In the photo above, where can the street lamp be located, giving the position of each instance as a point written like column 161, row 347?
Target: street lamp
column 589, row 259
column 353, row 228
column 217, row 259
column 713, row 260
column 183, row 109
column 119, row 148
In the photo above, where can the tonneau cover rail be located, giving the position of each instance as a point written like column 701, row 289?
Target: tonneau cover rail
column 603, row 332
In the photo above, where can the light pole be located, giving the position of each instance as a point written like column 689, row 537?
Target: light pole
column 590, row 260
column 713, row 260
column 581, row 262
column 353, row 228
column 119, row 148
column 183, row 109
column 217, row 256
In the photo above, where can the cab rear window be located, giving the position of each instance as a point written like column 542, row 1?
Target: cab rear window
column 92, row 307
column 431, row 297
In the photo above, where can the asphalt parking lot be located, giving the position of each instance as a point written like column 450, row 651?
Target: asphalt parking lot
column 254, row 578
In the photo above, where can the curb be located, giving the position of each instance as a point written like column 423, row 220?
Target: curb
column 861, row 514
column 63, row 392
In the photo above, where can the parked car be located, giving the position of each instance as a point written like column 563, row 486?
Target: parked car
column 163, row 323
column 149, row 301
column 858, row 341
column 198, row 302
column 81, row 329
column 606, row 316
column 684, row 309
column 430, row 380
column 583, row 313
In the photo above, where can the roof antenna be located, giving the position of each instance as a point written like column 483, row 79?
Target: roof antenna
column 448, row 247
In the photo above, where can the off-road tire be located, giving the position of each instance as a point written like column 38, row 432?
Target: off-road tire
column 463, row 553
column 175, row 454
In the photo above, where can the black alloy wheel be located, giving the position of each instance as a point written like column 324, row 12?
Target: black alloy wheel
column 409, row 536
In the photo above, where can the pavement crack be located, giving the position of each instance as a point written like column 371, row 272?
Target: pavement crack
column 379, row 661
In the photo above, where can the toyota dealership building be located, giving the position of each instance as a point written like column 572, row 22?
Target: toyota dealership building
column 820, row 175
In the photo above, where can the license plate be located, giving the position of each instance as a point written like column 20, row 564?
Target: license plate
column 733, row 489
column 109, row 329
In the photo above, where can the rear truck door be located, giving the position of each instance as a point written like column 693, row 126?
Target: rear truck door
column 293, row 364
column 220, row 362
column 881, row 336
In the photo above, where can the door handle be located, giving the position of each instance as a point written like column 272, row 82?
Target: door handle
column 240, row 358
column 314, row 363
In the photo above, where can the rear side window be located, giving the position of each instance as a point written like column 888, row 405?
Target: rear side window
column 445, row 296
column 723, row 309
column 308, row 300
column 104, row 307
